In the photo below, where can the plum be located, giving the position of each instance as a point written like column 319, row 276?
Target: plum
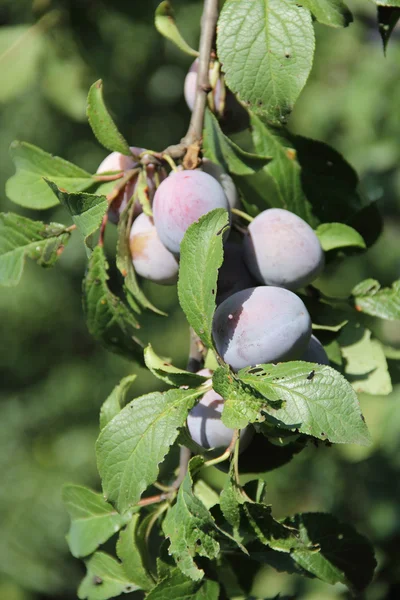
column 233, row 275
column 224, row 179
column 150, row 257
column 282, row 250
column 205, row 425
column 182, row 199
column 262, row 324
column 315, row 352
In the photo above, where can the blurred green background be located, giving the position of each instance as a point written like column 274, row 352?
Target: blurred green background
column 54, row 377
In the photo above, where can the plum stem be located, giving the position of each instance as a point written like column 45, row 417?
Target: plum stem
column 226, row 454
column 242, row 214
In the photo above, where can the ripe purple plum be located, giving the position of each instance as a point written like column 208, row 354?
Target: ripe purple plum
column 315, row 352
column 282, row 250
column 224, row 179
column 205, row 425
column 233, row 275
column 181, row 200
column 150, row 257
column 262, row 324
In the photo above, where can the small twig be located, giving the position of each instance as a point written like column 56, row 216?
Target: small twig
column 121, row 184
column 242, row 214
column 226, row 454
column 70, row 228
column 208, row 26
column 108, row 177
column 103, row 230
column 153, row 499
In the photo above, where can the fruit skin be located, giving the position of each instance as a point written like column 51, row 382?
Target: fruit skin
column 282, row 250
column 205, row 425
column 315, row 352
column 262, row 324
column 181, row 200
column 233, row 275
column 150, row 257
column 224, row 179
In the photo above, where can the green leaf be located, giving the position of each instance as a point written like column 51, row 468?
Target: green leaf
column 132, row 289
column 329, row 12
column 373, row 300
column 132, row 445
column 21, row 238
column 314, row 399
column 178, row 587
column 102, row 123
column 28, row 187
column 108, row 319
column 105, row 578
column 201, row 257
column 87, row 211
column 165, row 24
column 93, row 520
column 266, row 48
column 388, row 17
column 220, row 149
column 190, row 527
column 338, row 235
column 395, row 3
column 131, row 552
column 365, row 362
column 271, row 533
column 301, row 173
column 242, row 405
column 116, row 400
column 344, row 555
column 168, row 373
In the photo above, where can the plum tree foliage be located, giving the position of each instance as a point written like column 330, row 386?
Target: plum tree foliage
column 214, row 217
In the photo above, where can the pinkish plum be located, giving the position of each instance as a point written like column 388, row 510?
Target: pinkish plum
column 224, row 179
column 181, row 200
column 261, row 325
column 282, row 250
column 150, row 258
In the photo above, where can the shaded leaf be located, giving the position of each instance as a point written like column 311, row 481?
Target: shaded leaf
column 28, row 187
column 388, row 17
column 102, row 123
column 108, row 319
column 21, row 238
column 220, row 149
column 93, row 520
column 132, row 445
column 179, row 587
column 266, row 48
column 201, row 257
column 344, row 555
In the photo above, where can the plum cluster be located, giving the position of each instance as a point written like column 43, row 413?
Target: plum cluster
column 259, row 317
